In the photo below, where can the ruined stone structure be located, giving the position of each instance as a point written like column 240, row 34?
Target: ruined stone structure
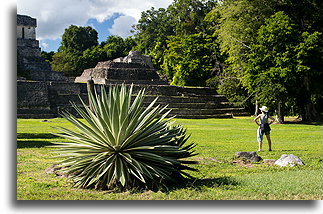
column 29, row 60
column 132, row 69
column 47, row 93
column 185, row 102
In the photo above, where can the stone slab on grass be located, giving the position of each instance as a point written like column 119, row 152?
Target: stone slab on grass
column 250, row 156
column 289, row 160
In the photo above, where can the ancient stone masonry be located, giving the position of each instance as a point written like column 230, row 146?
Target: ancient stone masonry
column 185, row 102
column 26, row 27
column 29, row 60
column 44, row 94
column 134, row 68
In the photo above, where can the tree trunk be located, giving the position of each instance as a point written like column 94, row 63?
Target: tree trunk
column 309, row 112
column 280, row 113
column 257, row 111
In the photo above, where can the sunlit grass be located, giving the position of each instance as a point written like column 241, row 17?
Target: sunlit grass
column 218, row 177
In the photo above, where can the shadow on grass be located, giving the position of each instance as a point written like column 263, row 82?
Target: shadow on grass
column 312, row 123
column 34, row 140
column 212, row 182
column 220, row 182
column 33, row 144
column 36, row 136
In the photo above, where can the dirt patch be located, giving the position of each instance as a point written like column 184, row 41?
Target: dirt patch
column 243, row 163
column 269, row 161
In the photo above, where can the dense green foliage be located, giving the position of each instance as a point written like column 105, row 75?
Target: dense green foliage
column 48, row 56
column 178, row 39
column 273, row 52
column 267, row 51
column 218, row 178
column 123, row 145
column 278, row 64
column 185, row 62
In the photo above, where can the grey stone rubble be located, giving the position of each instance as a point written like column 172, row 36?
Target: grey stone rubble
column 136, row 57
column 289, row 160
column 250, row 156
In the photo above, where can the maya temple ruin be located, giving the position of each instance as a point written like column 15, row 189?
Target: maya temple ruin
column 45, row 93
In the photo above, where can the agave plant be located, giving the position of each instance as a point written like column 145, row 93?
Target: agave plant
column 122, row 144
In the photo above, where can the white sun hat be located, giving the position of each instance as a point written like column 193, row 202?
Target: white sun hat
column 264, row 108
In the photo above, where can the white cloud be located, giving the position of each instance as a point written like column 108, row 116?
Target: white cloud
column 44, row 45
column 53, row 16
column 122, row 26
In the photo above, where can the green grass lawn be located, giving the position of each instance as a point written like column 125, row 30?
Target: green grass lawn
column 218, row 177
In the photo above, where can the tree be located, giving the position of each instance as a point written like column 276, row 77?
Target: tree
column 309, row 68
column 92, row 56
column 48, row 56
column 151, row 33
column 156, row 26
column 68, row 63
column 69, row 58
column 235, row 26
column 77, row 39
column 79, row 50
column 237, row 30
column 188, row 59
column 238, row 36
column 116, row 47
column 277, row 70
column 188, row 15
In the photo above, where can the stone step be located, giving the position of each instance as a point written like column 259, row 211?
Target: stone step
column 188, row 111
column 67, row 99
column 186, row 99
column 36, row 116
column 167, row 90
column 185, row 102
column 34, row 111
column 206, row 105
column 201, row 116
column 135, row 82
column 203, row 100
column 171, row 114
column 64, row 88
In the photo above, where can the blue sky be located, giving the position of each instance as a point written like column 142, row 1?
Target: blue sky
column 102, row 28
column 107, row 17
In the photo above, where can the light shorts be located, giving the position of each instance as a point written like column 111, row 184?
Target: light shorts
column 261, row 135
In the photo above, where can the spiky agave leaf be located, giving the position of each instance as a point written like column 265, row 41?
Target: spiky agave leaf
column 123, row 144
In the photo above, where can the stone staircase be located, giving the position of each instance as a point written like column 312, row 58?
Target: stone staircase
column 191, row 103
column 46, row 99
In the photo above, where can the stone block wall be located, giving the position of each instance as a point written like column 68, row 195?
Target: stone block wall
column 26, row 27
column 32, row 95
column 40, row 99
